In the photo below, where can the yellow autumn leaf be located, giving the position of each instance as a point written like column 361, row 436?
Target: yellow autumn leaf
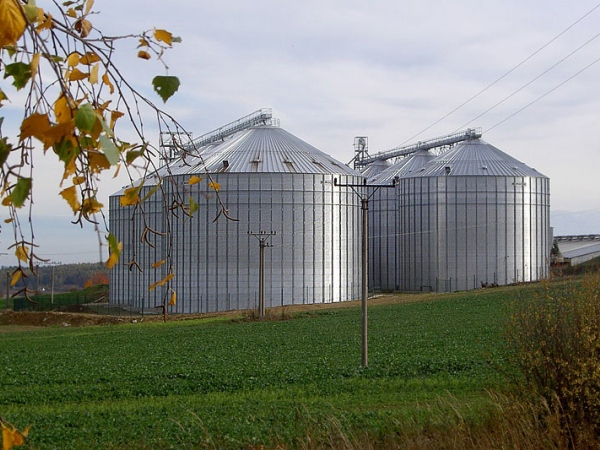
column 36, row 125
column 73, row 59
column 158, row 263
column 143, row 43
column 164, row 36
column 9, row 220
column 88, row 7
column 111, row 261
column 194, row 180
column 214, row 185
column 57, row 133
column 97, row 162
column 114, row 256
column 89, row 58
column 71, row 13
column 106, row 81
column 12, row 437
column 70, row 168
column 94, row 74
column 16, row 276
column 44, row 20
column 83, row 27
column 63, row 110
column 162, row 282
column 91, row 206
column 78, row 180
column 35, row 63
column 70, row 195
column 130, row 196
column 143, row 54
column 22, row 253
column 114, row 116
column 77, row 75
column 173, row 299
column 12, row 22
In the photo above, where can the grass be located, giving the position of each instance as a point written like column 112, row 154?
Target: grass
column 195, row 384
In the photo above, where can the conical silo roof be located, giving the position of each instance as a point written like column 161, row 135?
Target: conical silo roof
column 475, row 157
column 375, row 168
column 403, row 167
column 261, row 149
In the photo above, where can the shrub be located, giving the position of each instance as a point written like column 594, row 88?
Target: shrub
column 555, row 341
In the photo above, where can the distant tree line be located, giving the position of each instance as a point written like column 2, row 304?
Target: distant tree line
column 67, row 277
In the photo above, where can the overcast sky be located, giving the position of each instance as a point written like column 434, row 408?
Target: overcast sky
column 391, row 70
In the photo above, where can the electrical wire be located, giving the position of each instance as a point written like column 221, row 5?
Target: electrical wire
column 503, row 76
column 544, row 95
column 531, row 82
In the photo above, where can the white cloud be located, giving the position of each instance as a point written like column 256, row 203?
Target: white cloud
column 332, row 70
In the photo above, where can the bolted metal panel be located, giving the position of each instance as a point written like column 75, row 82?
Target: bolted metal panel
column 314, row 258
column 467, row 227
column 384, row 220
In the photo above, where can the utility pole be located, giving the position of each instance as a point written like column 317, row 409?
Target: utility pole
column 364, row 196
column 52, row 288
column 7, row 290
column 262, row 237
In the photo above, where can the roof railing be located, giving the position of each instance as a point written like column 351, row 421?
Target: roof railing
column 450, row 139
column 261, row 117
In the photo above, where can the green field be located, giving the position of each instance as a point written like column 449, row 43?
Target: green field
column 226, row 383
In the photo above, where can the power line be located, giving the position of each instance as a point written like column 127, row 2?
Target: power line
column 531, row 82
column 503, row 76
column 544, row 95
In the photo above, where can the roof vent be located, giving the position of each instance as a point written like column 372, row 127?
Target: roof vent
column 448, row 170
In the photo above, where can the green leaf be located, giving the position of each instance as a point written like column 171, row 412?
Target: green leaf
column 193, row 206
column 115, row 250
column 20, row 192
column 20, row 72
column 85, row 118
column 5, row 149
column 165, row 86
column 110, row 150
column 31, row 10
column 176, row 39
column 133, row 154
column 65, row 150
column 113, row 243
column 105, row 126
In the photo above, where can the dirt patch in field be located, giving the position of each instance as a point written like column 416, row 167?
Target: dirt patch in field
column 27, row 320
column 47, row 319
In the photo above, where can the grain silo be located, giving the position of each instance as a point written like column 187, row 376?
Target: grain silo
column 473, row 216
column 384, row 235
column 271, row 182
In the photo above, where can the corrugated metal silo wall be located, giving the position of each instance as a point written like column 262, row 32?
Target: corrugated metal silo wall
column 314, row 258
column 131, row 277
column 383, row 241
column 458, row 232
